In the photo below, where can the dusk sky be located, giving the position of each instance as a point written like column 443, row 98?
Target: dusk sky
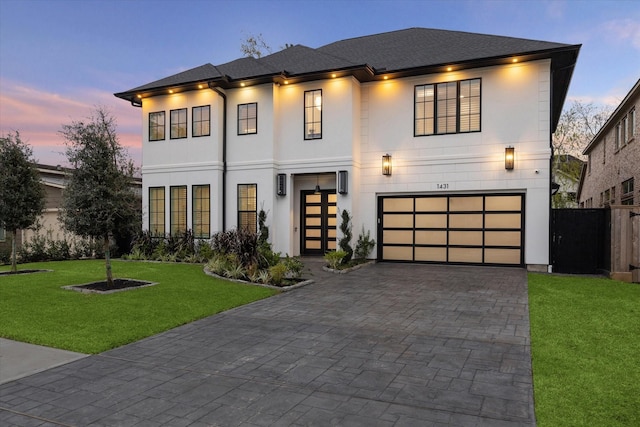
column 61, row 58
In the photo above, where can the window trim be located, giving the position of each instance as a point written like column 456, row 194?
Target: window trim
column 626, row 198
column 241, row 211
column 311, row 108
column 246, row 121
column 195, row 134
column 164, row 211
column 194, row 225
column 434, row 108
column 186, row 121
column 173, row 232
column 163, row 126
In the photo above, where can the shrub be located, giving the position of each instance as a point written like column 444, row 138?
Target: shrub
column 294, row 266
column 345, row 241
column 335, row 258
column 364, row 245
column 242, row 243
column 278, row 273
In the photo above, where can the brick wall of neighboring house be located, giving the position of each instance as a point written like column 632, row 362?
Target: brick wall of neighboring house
column 614, row 158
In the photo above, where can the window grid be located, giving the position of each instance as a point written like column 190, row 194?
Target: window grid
column 179, row 123
column 248, row 118
column 446, row 108
column 247, row 207
column 201, row 215
column 626, row 196
column 156, row 126
column 156, row 211
column 313, row 114
column 201, row 120
column 178, row 210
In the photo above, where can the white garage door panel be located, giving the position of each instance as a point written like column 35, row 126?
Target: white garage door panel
column 469, row 229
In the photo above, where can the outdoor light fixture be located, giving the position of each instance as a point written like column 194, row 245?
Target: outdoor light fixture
column 343, row 187
column 386, row 165
column 281, row 184
column 509, row 153
column 317, row 190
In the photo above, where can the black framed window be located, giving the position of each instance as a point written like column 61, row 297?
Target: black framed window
column 446, row 108
column 248, row 207
column 313, row 114
column 626, row 196
column 248, row 118
column 201, row 211
column 156, row 211
column 178, row 123
column 178, row 209
column 156, row 126
column 201, row 118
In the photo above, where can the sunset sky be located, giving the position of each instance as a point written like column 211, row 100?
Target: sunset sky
column 61, row 58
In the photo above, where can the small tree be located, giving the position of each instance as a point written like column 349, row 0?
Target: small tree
column 345, row 241
column 98, row 198
column 254, row 46
column 21, row 195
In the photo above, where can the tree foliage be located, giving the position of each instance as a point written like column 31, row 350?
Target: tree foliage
column 578, row 125
column 98, row 200
column 345, row 241
column 21, row 195
column 254, row 46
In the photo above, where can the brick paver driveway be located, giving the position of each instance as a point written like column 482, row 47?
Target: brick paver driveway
column 386, row 345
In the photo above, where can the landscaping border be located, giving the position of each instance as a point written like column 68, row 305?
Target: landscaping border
column 264, row 285
column 348, row 270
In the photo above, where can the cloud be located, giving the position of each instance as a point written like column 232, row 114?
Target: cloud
column 623, row 30
column 39, row 114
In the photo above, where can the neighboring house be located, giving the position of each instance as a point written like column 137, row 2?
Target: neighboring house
column 566, row 175
column 52, row 178
column 612, row 173
column 439, row 142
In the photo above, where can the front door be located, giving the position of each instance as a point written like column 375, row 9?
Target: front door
column 318, row 222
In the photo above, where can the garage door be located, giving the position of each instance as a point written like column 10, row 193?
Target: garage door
column 483, row 229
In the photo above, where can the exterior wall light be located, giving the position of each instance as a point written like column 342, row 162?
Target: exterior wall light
column 386, row 165
column 509, row 154
column 343, row 185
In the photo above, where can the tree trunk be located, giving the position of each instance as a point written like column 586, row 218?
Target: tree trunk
column 107, row 261
column 14, row 265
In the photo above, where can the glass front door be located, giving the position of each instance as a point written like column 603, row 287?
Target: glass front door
column 318, row 222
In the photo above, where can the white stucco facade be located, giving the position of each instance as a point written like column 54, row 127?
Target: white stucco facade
column 360, row 123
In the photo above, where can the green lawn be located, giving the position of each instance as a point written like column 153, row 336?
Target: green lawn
column 34, row 308
column 585, row 342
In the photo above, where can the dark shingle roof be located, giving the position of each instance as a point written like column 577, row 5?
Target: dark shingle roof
column 412, row 51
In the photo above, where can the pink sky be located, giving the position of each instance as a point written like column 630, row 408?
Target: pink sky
column 39, row 114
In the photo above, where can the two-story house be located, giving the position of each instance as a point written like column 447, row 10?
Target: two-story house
column 612, row 173
column 438, row 142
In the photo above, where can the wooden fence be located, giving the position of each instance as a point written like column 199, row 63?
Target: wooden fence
column 625, row 243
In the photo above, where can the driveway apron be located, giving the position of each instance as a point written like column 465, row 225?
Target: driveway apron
column 385, row 345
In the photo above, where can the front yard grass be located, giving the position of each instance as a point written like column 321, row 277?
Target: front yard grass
column 34, row 308
column 585, row 343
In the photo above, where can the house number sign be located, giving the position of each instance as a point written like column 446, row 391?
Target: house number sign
column 442, row 186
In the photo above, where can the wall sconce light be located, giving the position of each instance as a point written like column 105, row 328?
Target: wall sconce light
column 386, row 165
column 509, row 154
column 343, row 186
column 281, row 184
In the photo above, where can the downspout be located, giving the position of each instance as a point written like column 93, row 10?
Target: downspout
column 224, row 154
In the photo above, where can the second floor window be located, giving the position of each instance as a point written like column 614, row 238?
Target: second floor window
column 444, row 108
column 626, row 196
column 201, row 117
column 248, row 118
column 156, row 126
column 179, row 123
column 313, row 114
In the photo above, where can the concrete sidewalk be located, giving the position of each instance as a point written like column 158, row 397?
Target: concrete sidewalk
column 386, row 345
column 19, row 359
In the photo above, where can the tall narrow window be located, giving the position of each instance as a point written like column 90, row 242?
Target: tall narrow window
column 179, row 123
column 632, row 124
column 247, row 207
column 445, row 108
column 178, row 210
column 248, row 118
column 201, row 214
column 156, row 211
column 313, row 114
column 156, row 126
column 626, row 196
column 623, row 131
column 618, row 141
column 201, row 117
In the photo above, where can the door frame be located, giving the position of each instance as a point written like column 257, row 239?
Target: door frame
column 324, row 217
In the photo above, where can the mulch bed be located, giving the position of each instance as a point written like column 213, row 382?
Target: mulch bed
column 118, row 285
column 8, row 273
